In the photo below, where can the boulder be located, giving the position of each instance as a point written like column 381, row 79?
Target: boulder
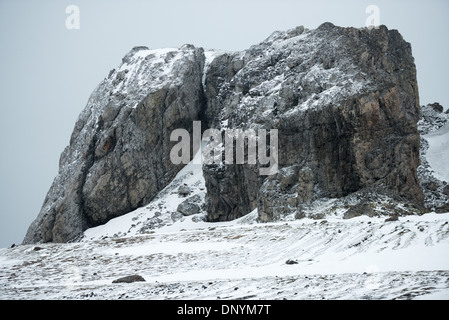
column 392, row 218
column 360, row 209
column 189, row 206
column 175, row 216
column 438, row 108
column 184, row 190
column 446, row 190
column 129, row 279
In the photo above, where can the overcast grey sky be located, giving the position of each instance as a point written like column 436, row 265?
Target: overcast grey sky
column 47, row 72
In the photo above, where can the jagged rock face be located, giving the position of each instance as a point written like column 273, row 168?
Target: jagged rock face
column 345, row 103
column 119, row 152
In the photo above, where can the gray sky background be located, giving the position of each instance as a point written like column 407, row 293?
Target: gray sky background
column 47, row 72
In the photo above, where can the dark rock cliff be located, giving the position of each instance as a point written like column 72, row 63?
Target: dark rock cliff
column 119, row 152
column 345, row 103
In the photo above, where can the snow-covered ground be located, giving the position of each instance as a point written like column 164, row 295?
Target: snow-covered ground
column 438, row 152
column 184, row 257
column 360, row 258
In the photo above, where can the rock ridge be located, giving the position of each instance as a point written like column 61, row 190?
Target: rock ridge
column 344, row 101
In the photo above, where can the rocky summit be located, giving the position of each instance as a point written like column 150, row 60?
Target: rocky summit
column 344, row 101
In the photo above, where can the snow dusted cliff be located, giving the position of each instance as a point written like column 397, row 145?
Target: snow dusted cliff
column 358, row 209
column 344, row 102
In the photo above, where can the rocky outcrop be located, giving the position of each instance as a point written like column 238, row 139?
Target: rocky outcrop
column 344, row 101
column 119, row 152
column 345, row 104
column 432, row 118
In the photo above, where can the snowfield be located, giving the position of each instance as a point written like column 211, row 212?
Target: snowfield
column 360, row 258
